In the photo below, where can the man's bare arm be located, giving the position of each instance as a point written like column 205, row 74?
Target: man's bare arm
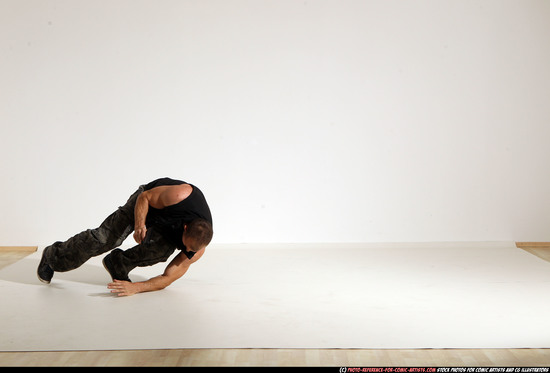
column 140, row 214
column 176, row 269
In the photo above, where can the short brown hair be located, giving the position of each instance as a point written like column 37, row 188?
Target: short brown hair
column 201, row 231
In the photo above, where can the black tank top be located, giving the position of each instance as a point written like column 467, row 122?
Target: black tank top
column 170, row 220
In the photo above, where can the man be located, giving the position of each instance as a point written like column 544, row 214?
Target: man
column 164, row 215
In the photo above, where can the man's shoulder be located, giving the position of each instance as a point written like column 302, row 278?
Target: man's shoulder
column 163, row 182
column 174, row 194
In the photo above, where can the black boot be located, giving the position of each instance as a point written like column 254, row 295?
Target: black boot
column 113, row 264
column 44, row 271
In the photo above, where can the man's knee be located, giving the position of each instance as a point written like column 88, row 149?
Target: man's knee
column 106, row 237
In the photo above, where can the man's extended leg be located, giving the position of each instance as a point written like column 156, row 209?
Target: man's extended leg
column 71, row 254
column 153, row 249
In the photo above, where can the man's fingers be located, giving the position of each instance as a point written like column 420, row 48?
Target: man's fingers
column 118, row 287
column 116, row 283
column 139, row 234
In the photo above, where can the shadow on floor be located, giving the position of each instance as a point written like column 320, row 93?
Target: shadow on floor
column 24, row 272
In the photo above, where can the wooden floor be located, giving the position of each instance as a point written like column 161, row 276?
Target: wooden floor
column 279, row 357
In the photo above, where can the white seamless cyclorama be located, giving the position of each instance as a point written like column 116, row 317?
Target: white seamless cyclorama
column 476, row 295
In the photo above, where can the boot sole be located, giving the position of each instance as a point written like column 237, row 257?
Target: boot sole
column 42, row 280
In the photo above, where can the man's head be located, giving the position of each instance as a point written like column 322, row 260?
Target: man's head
column 197, row 234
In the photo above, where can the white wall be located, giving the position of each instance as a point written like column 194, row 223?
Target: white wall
column 302, row 121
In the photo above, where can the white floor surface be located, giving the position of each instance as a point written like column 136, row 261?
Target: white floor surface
column 449, row 295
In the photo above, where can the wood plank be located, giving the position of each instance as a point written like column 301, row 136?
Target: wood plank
column 282, row 357
column 18, row 248
column 533, row 245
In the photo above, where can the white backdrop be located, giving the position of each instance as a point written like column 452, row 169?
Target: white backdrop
column 301, row 121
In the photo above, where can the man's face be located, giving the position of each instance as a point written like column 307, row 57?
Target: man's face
column 190, row 243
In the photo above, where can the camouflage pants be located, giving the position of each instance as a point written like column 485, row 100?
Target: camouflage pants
column 71, row 254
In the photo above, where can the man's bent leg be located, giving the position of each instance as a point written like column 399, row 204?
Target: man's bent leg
column 154, row 249
column 71, row 254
